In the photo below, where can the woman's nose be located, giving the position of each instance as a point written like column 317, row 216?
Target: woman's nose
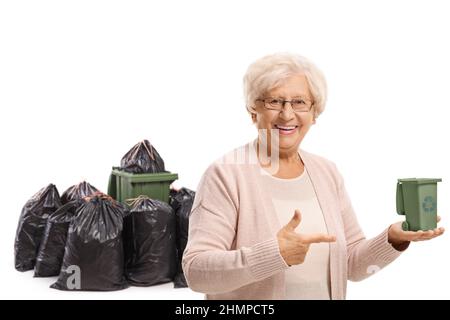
column 287, row 113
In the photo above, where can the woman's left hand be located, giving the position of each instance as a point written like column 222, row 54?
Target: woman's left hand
column 400, row 238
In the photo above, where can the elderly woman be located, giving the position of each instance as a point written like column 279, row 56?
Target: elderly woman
column 272, row 221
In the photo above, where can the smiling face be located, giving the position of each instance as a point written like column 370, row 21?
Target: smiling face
column 290, row 126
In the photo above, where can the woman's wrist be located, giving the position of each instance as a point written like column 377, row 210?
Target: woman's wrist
column 397, row 244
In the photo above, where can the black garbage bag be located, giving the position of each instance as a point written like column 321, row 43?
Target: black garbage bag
column 93, row 257
column 32, row 225
column 181, row 202
column 51, row 251
column 149, row 239
column 142, row 158
column 78, row 191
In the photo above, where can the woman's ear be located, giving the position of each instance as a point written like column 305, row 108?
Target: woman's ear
column 254, row 117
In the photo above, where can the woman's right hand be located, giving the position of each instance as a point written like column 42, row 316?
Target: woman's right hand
column 294, row 246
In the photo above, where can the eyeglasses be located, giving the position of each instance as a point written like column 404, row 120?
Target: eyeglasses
column 298, row 104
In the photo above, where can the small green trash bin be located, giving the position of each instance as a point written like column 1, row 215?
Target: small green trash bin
column 417, row 200
column 124, row 185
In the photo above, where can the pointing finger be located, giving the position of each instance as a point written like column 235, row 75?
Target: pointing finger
column 318, row 238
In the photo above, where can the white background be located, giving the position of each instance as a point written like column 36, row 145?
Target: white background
column 82, row 81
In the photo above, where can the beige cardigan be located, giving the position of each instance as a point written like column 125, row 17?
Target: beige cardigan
column 232, row 250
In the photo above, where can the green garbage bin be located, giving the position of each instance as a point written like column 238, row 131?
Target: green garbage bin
column 417, row 200
column 124, row 185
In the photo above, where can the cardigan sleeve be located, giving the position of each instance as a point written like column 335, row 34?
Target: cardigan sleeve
column 364, row 256
column 210, row 263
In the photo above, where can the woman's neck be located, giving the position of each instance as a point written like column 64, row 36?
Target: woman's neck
column 289, row 164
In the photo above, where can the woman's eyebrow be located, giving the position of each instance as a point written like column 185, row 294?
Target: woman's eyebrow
column 303, row 96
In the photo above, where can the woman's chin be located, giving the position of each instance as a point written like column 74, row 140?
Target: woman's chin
column 288, row 142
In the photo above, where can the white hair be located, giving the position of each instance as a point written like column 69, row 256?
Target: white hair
column 269, row 71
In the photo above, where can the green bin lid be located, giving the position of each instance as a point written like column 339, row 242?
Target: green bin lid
column 145, row 177
column 420, row 180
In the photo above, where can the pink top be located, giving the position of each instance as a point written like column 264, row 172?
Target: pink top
column 310, row 279
column 232, row 250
